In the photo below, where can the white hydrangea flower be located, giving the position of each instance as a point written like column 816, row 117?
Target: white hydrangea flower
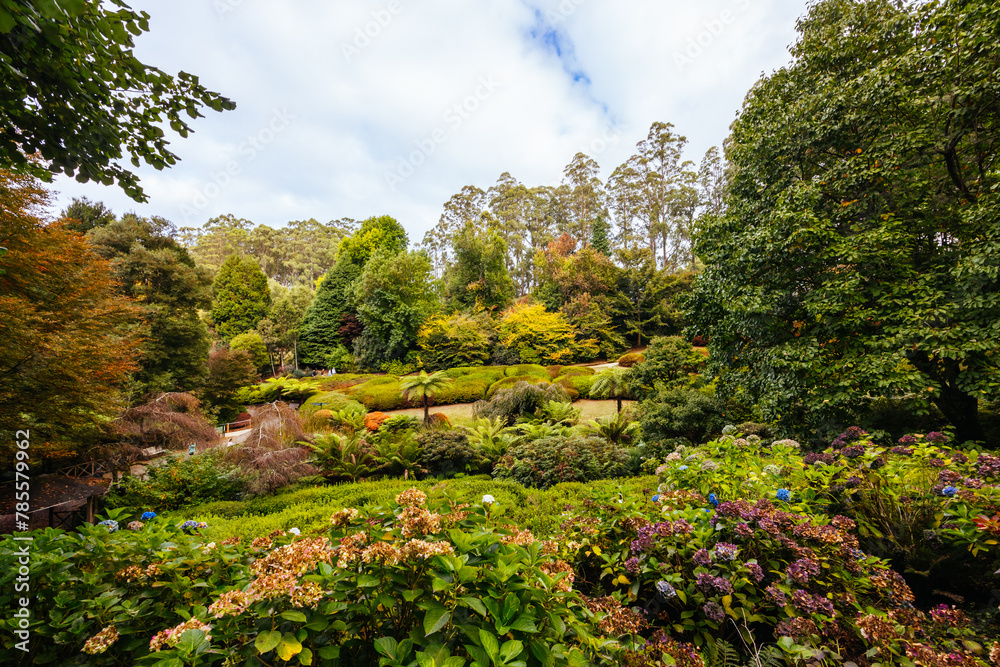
column 488, row 499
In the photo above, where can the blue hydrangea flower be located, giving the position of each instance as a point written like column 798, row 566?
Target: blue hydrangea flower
column 665, row 589
column 656, row 498
column 683, row 468
column 949, row 491
column 784, row 495
column 146, row 516
column 189, row 525
column 713, row 499
column 111, row 524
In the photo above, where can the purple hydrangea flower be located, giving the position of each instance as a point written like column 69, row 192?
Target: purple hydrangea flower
column 714, row 612
column 702, row 557
column 726, row 551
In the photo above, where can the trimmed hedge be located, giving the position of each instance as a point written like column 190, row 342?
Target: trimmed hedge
column 511, row 381
column 577, row 386
column 332, row 400
column 532, row 370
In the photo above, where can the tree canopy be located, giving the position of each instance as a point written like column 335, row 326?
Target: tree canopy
column 242, row 297
column 76, row 95
column 155, row 271
column 67, row 337
column 860, row 253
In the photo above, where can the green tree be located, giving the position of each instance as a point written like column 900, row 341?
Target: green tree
column 459, row 339
column 857, row 257
column 423, row 387
column 393, row 297
column 76, row 95
column 478, row 276
column 68, row 338
column 381, row 233
column 153, row 269
column 82, row 215
column 319, row 332
column 251, row 343
column 667, row 361
column 242, row 297
column 228, row 370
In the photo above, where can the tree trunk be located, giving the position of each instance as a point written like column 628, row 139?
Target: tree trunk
column 958, row 407
column 619, row 404
column 962, row 410
column 426, row 411
column 270, row 359
column 296, row 344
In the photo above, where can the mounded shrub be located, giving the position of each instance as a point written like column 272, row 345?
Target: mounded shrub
column 533, row 370
column 333, row 401
column 508, row 382
column 447, row 453
column 523, row 397
column 373, row 420
column 380, row 393
column 631, row 359
column 577, row 386
column 547, row 461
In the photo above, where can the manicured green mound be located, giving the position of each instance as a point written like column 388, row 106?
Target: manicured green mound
column 330, row 400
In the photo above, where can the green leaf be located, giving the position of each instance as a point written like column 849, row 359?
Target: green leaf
column 306, row 657
column 510, row 649
column 489, row 643
column 476, row 604
column 296, row 616
column 267, row 640
column 524, row 624
column 386, row 646
column 329, row 652
column 435, row 619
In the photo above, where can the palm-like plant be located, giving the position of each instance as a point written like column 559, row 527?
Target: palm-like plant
column 617, row 429
column 489, row 437
column 352, row 420
column 529, row 431
column 340, row 456
column 423, row 386
column 613, row 383
column 558, row 412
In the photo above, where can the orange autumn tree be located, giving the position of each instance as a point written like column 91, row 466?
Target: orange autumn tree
column 67, row 339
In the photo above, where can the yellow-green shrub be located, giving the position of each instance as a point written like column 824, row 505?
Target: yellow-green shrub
column 537, row 335
column 458, row 339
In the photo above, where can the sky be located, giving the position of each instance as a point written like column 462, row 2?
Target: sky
column 357, row 108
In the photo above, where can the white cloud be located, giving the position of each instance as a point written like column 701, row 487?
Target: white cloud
column 573, row 75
